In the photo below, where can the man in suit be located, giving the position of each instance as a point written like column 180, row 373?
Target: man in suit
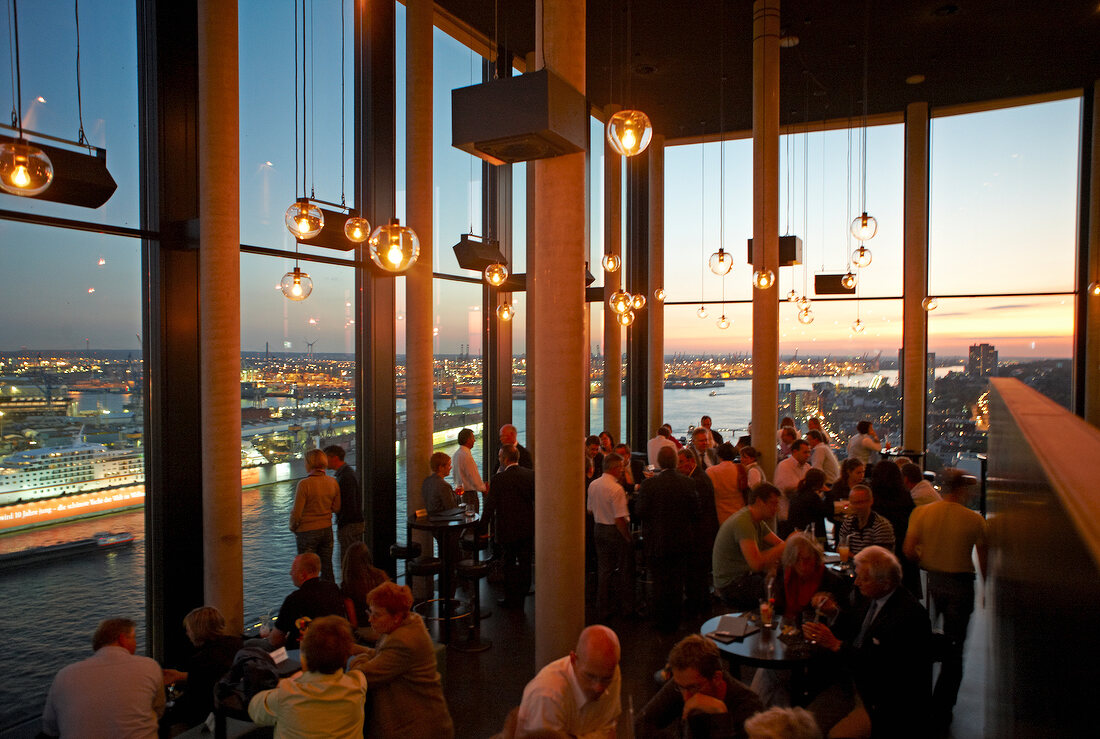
column 700, row 447
column 887, row 648
column 668, row 507
column 715, row 437
column 702, row 533
column 511, row 499
column 509, row 435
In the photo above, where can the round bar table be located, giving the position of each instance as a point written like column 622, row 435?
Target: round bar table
column 443, row 528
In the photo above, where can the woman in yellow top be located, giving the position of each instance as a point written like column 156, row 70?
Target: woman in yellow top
column 315, row 500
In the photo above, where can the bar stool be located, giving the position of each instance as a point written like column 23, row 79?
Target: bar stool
column 474, row 571
column 409, row 552
column 479, row 543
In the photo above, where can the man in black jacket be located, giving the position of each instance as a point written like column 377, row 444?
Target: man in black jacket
column 668, row 508
column 511, row 501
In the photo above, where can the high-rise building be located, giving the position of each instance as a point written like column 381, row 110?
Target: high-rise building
column 982, row 361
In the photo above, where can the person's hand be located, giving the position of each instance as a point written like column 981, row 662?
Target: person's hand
column 173, row 676
column 700, row 703
column 822, row 635
column 824, row 602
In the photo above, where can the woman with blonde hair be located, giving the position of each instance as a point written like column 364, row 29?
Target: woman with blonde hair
column 315, row 500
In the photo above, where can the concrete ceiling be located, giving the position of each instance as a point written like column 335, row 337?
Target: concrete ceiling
column 968, row 51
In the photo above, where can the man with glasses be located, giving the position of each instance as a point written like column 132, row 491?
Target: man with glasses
column 700, row 699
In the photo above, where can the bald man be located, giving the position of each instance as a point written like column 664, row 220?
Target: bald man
column 510, row 435
column 577, row 695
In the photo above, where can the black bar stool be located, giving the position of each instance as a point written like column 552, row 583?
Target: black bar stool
column 409, row 552
column 474, row 572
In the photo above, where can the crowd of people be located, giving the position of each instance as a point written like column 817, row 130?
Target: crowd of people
column 708, row 528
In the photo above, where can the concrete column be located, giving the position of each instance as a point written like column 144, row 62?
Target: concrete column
column 419, row 358
column 656, row 365
column 557, row 304
column 765, row 227
column 220, row 308
column 1091, row 170
column 914, row 318
column 613, row 244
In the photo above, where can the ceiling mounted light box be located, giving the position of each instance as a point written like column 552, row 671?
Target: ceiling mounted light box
column 476, row 253
column 518, row 119
column 332, row 234
column 832, row 285
column 790, row 251
column 78, row 178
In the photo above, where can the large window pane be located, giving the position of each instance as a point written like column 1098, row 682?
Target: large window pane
column 71, row 374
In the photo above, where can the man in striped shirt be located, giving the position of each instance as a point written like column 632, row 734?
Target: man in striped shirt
column 864, row 527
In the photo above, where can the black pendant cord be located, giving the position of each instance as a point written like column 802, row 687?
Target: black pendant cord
column 17, row 103
column 80, row 137
column 296, row 100
column 343, row 194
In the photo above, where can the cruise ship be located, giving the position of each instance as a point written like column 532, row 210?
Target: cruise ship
column 55, row 471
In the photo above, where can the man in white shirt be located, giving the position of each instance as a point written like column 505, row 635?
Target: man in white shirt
column 920, row 489
column 662, row 439
column 577, row 695
column 466, row 474
column 791, row 470
column 822, row 457
column 864, row 442
column 113, row 693
column 614, row 544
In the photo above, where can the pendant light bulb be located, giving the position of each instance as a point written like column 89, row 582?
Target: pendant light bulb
column 629, row 132
column 24, row 169
column 659, row 295
column 857, row 327
column 612, row 262
column 792, row 296
column 930, row 304
column 394, row 247
column 505, row 311
column 1094, row 288
column 849, row 280
column 721, row 262
column 702, row 312
column 304, row 219
column 723, row 322
column 637, row 302
column 806, row 316
column 862, row 256
column 864, row 227
column 625, row 319
column 496, row 274
column 620, row 301
column 296, row 285
column 357, row 229
column 763, row 279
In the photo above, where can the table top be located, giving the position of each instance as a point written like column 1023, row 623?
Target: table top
column 427, row 523
column 763, row 648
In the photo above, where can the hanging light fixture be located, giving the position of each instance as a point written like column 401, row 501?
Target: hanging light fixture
column 625, row 319
column 659, row 295
column 701, row 312
column 620, row 301
column 505, row 311
column 721, row 262
column 394, row 247
column 496, row 274
column 849, row 280
column 1094, row 287
column 792, row 296
column 861, row 257
column 612, row 262
column 628, row 131
column 763, row 279
column 930, row 303
column 723, row 322
column 357, row 229
column 864, row 227
column 857, row 327
column 24, row 168
column 304, row 219
column 637, row 301
column 806, row 316
column 296, row 284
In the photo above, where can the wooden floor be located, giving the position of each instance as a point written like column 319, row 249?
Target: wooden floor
column 483, row 687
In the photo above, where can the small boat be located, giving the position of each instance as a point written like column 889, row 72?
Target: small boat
column 101, row 542
column 712, row 393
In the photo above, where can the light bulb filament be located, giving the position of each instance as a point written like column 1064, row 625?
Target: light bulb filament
column 20, row 177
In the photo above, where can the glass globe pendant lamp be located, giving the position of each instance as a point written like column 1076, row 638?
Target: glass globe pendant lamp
column 702, row 311
column 496, row 274
column 394, row 247
column 720, row 262
column 1094, row 288
column 857, row 327
column 357, row 229
column 505, row 311
column 625, row 319
column 637, row 302
column 659, row 295
column 24, row 169
column 612, row 262
column 296, row 284
column 620, row 301
column 862, row 256
column 806, row 316
column 629, row 132
column 763, row 279
column 930, row 304
column 864, row 227
column 304, row 219
column 792, row 296
column 849, row 280
column 723, row 322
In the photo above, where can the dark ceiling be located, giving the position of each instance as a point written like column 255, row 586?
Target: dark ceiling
column 967, row 51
